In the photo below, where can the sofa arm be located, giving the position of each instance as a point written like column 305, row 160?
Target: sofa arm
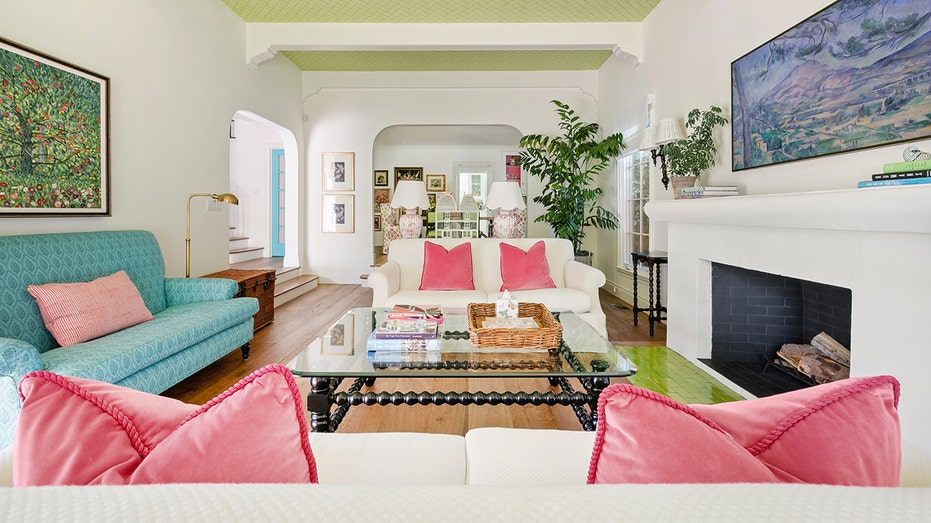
column 584, row 277
column 385, row 281
column 18, row 358
column 179, row 291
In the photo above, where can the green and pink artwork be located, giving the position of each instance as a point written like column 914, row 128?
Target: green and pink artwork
column 54, row 143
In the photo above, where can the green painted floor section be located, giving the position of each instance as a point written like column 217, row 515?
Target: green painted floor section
column 663, row 370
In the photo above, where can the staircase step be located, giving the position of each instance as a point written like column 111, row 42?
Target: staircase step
column 293, row 287
column 245, row 254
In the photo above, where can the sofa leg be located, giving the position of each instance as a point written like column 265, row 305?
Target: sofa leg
column 245, row 351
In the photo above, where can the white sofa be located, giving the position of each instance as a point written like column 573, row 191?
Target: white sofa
column 491, row 474
column 577, row 284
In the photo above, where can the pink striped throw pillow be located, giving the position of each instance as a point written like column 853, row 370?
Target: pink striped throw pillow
column 76, row 312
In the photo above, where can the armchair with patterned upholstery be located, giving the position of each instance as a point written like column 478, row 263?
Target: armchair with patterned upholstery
column 389, row 226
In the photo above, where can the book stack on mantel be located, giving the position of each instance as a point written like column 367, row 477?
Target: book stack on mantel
column 711, row 191
column 410, row 333
column 901, row 173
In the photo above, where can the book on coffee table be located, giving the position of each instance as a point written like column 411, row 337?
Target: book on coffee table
column 407, row 329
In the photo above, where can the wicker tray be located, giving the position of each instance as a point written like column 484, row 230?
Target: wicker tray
column 546, row 336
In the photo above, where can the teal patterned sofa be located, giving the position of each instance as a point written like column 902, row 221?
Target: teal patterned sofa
column 197, row 320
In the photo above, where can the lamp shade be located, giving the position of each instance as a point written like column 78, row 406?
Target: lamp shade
column 668, row 130
column 648, row 141
column 446, row 203
column 410, row 194
column 504, row 195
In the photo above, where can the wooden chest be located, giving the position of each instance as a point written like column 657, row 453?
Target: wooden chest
column 259, row 283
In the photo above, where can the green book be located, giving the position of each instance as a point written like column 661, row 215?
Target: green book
column 901, row 167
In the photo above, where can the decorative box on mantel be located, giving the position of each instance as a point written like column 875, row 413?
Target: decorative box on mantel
column 259, row 283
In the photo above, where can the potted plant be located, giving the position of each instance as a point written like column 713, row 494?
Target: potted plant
column 689, row 157
column 568, row 166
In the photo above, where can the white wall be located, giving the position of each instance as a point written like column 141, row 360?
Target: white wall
column 345, row 112
column 178, row 73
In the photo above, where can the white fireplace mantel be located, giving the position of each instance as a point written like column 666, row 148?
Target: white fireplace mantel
column 876, row 242
column 877, row 209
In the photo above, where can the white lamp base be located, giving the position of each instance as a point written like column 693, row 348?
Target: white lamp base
column 506, row 225
column 410, row 224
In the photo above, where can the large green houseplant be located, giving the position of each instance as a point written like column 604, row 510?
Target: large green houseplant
column 568, row 166
column 694, row 154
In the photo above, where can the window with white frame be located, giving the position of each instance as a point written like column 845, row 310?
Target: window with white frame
column 473, row 179
column 635, row 193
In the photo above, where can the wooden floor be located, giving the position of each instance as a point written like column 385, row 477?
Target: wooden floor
column 306, row 318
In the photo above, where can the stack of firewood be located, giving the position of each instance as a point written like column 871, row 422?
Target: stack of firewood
column 823, row 360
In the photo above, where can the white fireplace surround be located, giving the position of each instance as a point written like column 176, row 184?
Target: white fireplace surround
column 876, row 242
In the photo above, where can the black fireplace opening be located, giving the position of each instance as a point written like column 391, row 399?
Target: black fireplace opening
column 754, row 313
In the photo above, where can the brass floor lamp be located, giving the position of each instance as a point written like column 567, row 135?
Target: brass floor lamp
column 225, row 198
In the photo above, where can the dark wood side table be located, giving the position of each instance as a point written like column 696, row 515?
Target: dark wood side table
column 258, row 283
column 652, row 259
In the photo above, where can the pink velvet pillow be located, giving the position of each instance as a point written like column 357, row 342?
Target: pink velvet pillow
column 76, row 312
column 524, row 271
column 841, row 433
column 75, row 431
column 447, row 270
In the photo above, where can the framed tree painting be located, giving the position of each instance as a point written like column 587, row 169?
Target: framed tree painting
column 853, row 75
column 381, row 178
column 54, row 136
column 338, row 171
column 338, row 213
column 381, row 196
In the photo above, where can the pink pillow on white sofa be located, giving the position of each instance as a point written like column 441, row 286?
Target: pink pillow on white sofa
column 524, row 270
column 75, row 431
column 76, row 312
column 841, row 433
column 446, row 270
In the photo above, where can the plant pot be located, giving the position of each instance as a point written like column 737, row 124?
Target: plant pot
column 678, row 182
column 584, row 258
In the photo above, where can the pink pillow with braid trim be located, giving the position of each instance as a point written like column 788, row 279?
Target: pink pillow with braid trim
column 524, row 270
column 841, row 433
column 75, row 431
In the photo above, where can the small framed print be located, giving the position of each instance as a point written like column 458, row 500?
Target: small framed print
column 381, row 179
column 431, row 196
column 377, row 223
column 408, row 173
column 339, row 340
column 436, row 183
column 338, row 171
column 338, row 211
column 381, row 196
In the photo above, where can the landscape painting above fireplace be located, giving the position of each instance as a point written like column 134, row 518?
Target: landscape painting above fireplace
column 852, row 76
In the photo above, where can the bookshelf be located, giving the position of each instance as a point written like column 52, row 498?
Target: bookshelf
column 457, row 224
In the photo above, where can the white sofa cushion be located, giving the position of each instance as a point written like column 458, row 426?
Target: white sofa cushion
column 389, row 458
column 506, row 456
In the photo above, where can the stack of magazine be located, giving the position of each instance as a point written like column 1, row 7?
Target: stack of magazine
column 410, row 333
column 901, row 173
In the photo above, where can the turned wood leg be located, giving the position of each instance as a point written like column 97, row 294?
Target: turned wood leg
column 318, row 404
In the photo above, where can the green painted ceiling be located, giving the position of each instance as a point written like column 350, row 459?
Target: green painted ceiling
column 444, row 11
column 441, row 11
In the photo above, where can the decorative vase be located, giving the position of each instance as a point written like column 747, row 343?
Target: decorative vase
column 679, row 182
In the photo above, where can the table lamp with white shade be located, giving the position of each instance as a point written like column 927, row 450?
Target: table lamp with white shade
column 506, row 197
column 410, row 195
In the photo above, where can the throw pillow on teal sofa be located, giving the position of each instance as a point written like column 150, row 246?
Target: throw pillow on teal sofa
column 196, row 322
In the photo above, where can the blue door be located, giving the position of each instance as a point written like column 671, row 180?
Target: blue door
column 278, row 202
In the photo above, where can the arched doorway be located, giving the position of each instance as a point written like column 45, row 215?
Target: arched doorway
column 268, row 208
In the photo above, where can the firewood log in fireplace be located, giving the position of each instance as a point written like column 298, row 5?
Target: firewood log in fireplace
column 812, row 362
column 831, row 348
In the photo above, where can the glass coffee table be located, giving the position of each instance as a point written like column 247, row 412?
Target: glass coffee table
column 583, row 356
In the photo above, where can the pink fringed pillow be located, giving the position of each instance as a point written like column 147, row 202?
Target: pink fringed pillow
column 76, row 312
column 447, row 270
column 841, row 433
column 524, row 271
column 75, row 431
